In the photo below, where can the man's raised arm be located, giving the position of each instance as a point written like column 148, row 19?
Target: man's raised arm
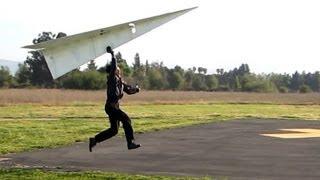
column 113, row 66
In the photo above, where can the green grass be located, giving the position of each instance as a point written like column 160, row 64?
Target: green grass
column 25, row 127
column 28, row 174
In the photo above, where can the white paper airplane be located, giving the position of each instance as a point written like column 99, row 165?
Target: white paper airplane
column 67, row 53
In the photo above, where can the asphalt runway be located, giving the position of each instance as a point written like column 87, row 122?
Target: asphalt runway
column 234, row 149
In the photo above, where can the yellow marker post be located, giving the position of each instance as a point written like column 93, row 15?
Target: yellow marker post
column 296, row 133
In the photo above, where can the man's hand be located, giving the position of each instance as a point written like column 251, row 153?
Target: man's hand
column 138, row 88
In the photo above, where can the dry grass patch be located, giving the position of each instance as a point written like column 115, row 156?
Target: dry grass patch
column 59, row 96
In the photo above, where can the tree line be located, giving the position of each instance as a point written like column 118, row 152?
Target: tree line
column 156, row 76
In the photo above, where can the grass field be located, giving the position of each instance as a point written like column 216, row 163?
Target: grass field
column 58, row 96
column 35, row 119
column 31, row 126
column 96, row 175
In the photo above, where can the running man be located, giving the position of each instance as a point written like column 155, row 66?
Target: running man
column 115, row 88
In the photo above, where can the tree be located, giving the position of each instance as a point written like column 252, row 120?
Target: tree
column 212, row 82
column 93, row 80
column 122, row 63
column 188, row 77
column 138, row 71
column 44, row 36
column 283, row 89
column 175, row 80
column 92, row 66
column 220, row 71
column 253, row 83
column 5, row 77
column 137, row 64
column 23, row 75
column 194, row 69
column 317, row 81
column 198, row 83
column 244, row 69
column 179, row 70
column 305, row 89
column 147, row 66
column 39, row 73
column 296, row 81
column 282, row 81
column 72, row 80
column 155, row 79
column 312, row 80
column 83, row 80
column 202, row 70
column 237, row 84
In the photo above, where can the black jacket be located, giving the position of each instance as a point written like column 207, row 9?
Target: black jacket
column 115, row 85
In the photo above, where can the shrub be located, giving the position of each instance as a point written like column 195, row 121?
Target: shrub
column 305, row 89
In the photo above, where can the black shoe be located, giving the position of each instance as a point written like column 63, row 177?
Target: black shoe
column 133, row 146
column 92, row 143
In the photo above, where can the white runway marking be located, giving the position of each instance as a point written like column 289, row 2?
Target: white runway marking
column 295, row 133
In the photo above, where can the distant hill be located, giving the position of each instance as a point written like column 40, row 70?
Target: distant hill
column 12, row 65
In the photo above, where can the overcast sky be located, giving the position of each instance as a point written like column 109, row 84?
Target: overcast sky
column 269, row 35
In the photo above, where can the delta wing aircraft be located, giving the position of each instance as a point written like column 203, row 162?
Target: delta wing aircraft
column 70, row 52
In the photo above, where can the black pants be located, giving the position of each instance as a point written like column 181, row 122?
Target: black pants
column 115, row 116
